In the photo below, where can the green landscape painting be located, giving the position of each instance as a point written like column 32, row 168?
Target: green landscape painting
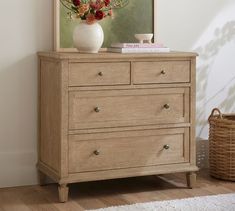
column 135, row 18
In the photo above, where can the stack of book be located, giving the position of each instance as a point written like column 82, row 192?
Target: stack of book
column 138, row 48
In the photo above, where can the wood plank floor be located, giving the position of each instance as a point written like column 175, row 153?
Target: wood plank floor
column 93, row 195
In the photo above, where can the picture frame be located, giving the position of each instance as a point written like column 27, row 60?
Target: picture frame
column 57, row 30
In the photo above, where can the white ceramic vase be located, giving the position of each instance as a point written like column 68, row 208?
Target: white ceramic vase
column 88, row 38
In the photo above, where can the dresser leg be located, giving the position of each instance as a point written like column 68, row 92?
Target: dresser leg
column 41, row 178
column 63, row 192
column 191, row 179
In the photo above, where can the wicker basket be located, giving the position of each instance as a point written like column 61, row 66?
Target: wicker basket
column 222, row 145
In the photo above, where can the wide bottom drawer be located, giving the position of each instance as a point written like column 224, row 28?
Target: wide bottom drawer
column 103, row 151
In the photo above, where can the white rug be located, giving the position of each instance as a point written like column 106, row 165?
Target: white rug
column 224, row 202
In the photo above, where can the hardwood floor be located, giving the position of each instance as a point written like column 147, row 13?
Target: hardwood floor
column 93, row 195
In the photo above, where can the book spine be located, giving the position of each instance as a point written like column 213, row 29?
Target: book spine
column 144, row 50
column 136, row 45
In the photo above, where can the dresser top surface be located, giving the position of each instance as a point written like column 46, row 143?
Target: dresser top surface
column 107, row 55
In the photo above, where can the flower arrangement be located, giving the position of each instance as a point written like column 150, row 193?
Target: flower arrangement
column 92, row 10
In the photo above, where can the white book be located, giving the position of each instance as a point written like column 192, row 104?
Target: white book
column 139, row 50
column 137, row 45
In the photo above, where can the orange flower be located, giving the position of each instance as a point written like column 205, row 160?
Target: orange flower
column 90, row 18
column 102, row 5
column 83, row 9
column 110, row 13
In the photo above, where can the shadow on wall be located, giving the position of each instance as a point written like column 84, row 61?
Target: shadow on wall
column 208, row 55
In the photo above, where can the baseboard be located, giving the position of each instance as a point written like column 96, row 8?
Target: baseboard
column 18, row 168
column 202, row 154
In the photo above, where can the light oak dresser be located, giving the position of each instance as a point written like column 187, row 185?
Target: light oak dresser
column 109, row 115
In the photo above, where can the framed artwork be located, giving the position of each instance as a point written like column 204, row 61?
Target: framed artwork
column 137, row 17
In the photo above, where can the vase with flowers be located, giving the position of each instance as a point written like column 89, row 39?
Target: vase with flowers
column 88, row 35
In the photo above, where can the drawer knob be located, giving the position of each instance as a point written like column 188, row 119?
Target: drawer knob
column 163, row 72
column 97, row 109
column 96, row 152
column 166, row 147
column 100, row 74
column 166, row 106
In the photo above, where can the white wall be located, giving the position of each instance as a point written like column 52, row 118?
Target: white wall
column 25, row 28
column 207, row 27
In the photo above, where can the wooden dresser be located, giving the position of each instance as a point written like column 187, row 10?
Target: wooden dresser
column 110, row 115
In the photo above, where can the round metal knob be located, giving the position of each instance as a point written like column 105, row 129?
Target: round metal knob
column 96, row 152
column 97, row 109
column 100, row 74
column 166, row 106
column 166, row 147
column 163, row 72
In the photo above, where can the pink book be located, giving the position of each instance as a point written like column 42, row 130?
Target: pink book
column 136, row 45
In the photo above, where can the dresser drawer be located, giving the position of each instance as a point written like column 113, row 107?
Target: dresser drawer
column 161, row 72
column 93, row 152
column 92, row 74
column 96, row 109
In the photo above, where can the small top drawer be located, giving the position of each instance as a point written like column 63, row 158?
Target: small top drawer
column 93, row 74
column 161, row 72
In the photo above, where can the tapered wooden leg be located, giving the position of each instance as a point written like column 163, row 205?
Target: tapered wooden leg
column 63, row 192
column 191, row 179
column 41, row 178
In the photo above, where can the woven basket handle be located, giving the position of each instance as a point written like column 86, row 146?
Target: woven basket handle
column 213, row 113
